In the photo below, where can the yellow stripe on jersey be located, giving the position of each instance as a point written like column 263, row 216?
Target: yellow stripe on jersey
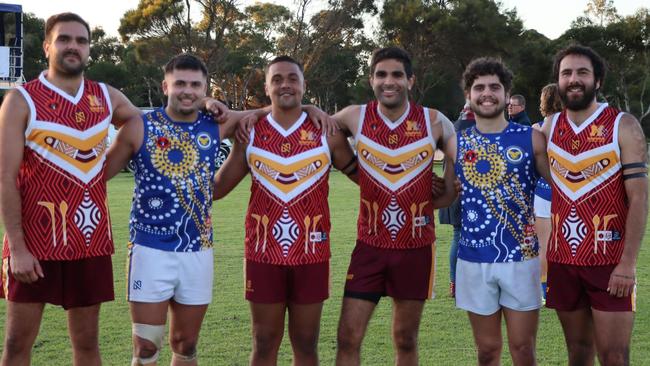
column 288, row 177
column 576, row 175
column 83, row 154
column 394, row 168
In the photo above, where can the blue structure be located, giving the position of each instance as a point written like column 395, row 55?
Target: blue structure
column 11, row 45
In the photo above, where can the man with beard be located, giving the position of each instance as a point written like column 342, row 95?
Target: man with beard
column 170, row 264
column 599, row 209
column 395, row 249
column 288, row 220
column 498, row 163
column 58, row 244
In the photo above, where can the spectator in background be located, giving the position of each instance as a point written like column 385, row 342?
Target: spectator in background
column 549, row 104
column 517, row 110
column 451, row 215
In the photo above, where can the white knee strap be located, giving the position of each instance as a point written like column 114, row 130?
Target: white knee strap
column 141, row 361
column 185, row 358
column 152, row 333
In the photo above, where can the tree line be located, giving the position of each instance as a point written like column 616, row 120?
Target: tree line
column 334, row 44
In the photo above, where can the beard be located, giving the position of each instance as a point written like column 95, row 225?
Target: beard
column 67, row 68
column 588, row 95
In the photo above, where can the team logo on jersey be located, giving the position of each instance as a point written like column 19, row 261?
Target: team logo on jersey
column 285, row 147
column 514, row 154
column 203, row 140
column 307, row 138
column 597, row 133
column 413, row 129
column 96, row 105
column 393, row 138
column 80, row 117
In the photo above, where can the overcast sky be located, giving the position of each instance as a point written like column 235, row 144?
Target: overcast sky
column 549, row 17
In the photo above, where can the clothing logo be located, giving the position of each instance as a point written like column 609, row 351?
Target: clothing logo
column 514, row 154
column 597, row 133
column 137, row 285
column 80, row 117
column 285, row 147
column 575, row 144
column 96, row 105
column 203, row 140
column 492, row 148
column 307, row 138
column 413, row 129
column 393, row 138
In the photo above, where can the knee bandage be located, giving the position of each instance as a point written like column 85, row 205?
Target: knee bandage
column 152, row 333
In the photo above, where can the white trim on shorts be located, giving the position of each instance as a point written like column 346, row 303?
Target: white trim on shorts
column 483, row 288
column 542, row 207
column 156, row 275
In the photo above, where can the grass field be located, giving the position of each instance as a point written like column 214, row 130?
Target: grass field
column 445, row 335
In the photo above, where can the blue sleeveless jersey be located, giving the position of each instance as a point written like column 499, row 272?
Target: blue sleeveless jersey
column 543, row 188
column 174, row 170
column 498, row 176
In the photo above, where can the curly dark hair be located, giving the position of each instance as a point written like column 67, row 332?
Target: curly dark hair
column 486, row 66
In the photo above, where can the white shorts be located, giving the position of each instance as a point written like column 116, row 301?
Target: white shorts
column 542, row 207
column 483, row 288
column 156, row 275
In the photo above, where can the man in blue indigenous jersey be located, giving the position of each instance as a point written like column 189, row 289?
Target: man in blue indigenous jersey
column 170, row 265
column 498, row 163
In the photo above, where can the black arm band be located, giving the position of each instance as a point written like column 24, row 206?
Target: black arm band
column 354, row 170
column 634, row 165
column 634, row 175
column 349, row 164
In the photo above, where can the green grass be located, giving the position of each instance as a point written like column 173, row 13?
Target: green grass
column 445, row 334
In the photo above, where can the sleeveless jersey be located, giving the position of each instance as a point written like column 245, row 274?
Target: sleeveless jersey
column 288, row 218
column 174, row 171
column 498, row 175
column 543, row 189
column 395, row 178
column 61, row 177
column 589, row 207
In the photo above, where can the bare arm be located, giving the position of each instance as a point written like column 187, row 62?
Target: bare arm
column 348, row 119
column 233, row 170
column 541, row 157
column 633, row 150
column 123, row 110
column 343, row 157
column 14, row 115
column 127, row 143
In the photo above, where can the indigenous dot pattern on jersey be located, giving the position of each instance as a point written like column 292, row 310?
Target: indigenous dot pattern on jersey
column 61, row 178
column 288, row 219
column 590, row 209
column 395, row 176
column 498, row 177
column 174, row 171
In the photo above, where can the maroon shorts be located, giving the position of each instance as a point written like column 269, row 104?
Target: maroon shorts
column 406, row 274
column 302, row 284
column 572, row 287
column 70, row 284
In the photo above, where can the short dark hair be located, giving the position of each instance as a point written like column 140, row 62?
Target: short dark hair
column 185, row 61
column 519, row 98
column 391, row 53
column 284, row 58
column 487, row 66
column 63, row 18
column 599, row 64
